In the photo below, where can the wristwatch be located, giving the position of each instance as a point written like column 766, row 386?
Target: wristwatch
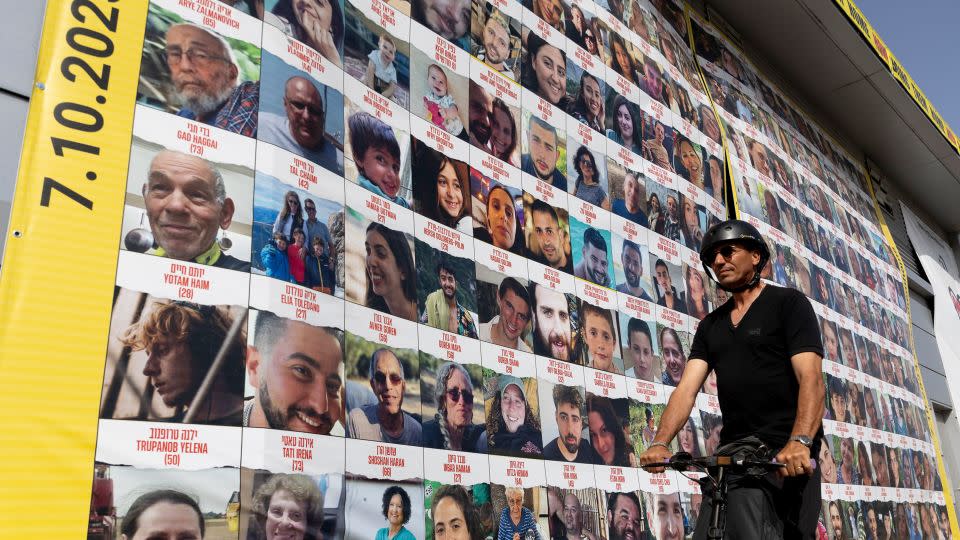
column 802, row 439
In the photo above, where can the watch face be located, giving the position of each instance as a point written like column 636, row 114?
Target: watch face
column 802, row 439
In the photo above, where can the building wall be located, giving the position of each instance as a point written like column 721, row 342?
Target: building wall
column 19, row 39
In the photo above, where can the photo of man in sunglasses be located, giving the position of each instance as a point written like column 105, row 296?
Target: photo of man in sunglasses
column 385, row 420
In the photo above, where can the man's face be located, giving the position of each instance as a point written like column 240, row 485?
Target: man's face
column 758, row 154
column 632, row 266
column 543, row 149
column 448, row 283
column 570, row 425
column 655, row 85
column 669, row 517
column 388, row 383
column 204, row 81
column 181, row 201
column 641, row 351
column 496, row 42
column 596, row 263
column 304, row 109
column 631, row 193
column 553, row 322
column 449, row 18
column 830, row 341
column 572, row 516
column 599, row 338
column 663, row 278
column 168, row 520
column 299, row 384
column 170, row 368
column 658, row 133
column 549, row 237
column 514, row 314
column 481, row 107
column 625, row 521
column 836, row 522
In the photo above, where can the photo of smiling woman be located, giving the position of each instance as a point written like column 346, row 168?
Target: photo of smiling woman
column 390, row 272
column 513, row 425
column 316, row 23
column 606, row 433
column 674, row 359
column 545, row 70
column 588, row 107
column 442, row 187
column 625, row 125
column 501, row 221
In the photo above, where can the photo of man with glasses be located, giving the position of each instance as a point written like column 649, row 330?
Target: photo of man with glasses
column 206, row 80
column 301, row 129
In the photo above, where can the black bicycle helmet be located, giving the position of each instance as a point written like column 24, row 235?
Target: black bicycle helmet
column 734, row 230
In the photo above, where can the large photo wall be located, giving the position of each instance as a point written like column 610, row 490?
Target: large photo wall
column 419, row 267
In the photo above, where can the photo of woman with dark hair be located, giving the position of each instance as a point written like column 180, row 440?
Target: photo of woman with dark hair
column 544, row 71
column 317, row 23
column 576, row 26
column 503, row 133
column 442, row 187
column 606, row 435
column 396, row 509
column 454, row 515
column 391, row 276
column 501, row 227
column 627, row 125
column 697, row 305
column 588, row 108
column 587, row 185
column 620, row 59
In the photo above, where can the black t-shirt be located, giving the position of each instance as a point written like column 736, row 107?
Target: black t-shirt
column 585, row 453
column 756, row 386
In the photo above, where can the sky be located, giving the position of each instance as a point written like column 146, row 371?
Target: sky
column 922, row 35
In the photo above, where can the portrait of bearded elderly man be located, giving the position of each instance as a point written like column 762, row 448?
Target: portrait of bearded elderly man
column 205, row 75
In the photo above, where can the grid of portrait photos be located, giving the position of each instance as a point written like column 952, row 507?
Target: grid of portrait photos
column 810, row 200
column 396, row 269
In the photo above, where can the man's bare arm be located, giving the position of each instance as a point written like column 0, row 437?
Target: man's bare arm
column 807, row 368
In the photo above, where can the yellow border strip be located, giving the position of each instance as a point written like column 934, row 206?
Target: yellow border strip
column 728, row 183
column 56, row 288
column 866, row 30
column 944, row 479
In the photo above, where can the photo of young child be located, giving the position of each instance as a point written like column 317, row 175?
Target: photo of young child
column 441, row 109
column 376, row 154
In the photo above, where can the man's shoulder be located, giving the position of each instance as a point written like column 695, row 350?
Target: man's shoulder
column 552, row 450
column 231, row 263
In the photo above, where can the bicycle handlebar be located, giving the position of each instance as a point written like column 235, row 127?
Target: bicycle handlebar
column 681, row 461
